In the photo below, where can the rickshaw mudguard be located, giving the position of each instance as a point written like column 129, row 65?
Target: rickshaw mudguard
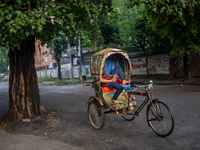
column 100, row 102
column 94, row 97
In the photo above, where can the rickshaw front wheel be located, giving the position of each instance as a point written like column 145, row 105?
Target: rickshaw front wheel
column 96, row 114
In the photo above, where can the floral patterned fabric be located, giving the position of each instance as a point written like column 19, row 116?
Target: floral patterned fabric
column 122, row 97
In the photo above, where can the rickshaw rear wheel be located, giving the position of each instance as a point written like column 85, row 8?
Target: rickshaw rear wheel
column 96, row 114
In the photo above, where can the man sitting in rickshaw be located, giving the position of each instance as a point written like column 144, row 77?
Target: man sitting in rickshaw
column 109, row 80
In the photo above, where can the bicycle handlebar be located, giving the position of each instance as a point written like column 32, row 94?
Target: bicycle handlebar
column 145, row 86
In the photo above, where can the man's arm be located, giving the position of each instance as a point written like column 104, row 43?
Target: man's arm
column 108, row 81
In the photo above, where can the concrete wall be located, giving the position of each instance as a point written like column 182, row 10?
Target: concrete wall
column 139, row 66
column 85, row 70
column 158, row 64
column 53, row 73
column 49, row 73
column 66, row 70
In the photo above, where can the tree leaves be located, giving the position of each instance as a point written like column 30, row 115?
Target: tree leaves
column 4, row 60
column 1, row 19
column 44, row 19
column 179, row 22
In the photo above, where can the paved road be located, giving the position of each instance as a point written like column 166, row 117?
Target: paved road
column 72, row 130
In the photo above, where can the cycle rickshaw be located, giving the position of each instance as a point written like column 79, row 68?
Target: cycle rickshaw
column 159, row 115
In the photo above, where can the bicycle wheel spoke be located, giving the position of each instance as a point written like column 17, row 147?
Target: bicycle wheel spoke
column 153, row 119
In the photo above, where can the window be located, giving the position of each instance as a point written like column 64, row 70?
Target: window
column 44, row 53
column 40, row 50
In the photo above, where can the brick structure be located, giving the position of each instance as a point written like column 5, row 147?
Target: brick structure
column 42, row 53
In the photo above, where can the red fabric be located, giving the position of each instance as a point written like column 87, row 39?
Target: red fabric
column 118, row 80
column 106, row 89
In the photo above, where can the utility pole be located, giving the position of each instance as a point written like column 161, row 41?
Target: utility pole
column 79, row 42
column 72, row 72
column 45, row 69
column 45, row 60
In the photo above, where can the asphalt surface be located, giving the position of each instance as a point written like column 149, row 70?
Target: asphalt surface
column 71, row 129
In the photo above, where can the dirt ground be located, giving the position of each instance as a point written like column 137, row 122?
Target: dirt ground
column 67, row 126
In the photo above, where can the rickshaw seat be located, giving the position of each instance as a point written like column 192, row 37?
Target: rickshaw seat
column 106, row 89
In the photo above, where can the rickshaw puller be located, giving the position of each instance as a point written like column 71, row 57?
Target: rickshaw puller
column 110, row 81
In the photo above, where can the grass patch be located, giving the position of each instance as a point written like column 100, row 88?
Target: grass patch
column 73, row 83
column 50, row 84
column 43, row 83
column 88, row 84
column 60, row 82
column 46, row 79
column 75, row 79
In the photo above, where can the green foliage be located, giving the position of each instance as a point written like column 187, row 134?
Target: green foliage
column 59, row 83
column 116, row 27
column 46, row 79
column 109, row 28
column 43, row 19
column 125, row 20
column 151, row 41
column 179, row 20
column 59, row 45
column 4, row 60
column 50, row 84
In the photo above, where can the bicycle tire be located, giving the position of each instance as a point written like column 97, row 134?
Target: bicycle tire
column 96, row 114
column 160, row 118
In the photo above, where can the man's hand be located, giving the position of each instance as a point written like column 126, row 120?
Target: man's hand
column 115, row 76
column 113, row 79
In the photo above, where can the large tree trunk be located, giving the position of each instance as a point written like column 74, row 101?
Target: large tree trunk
column 24, row 97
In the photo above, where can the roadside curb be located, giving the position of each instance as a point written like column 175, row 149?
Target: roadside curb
column 134, row 81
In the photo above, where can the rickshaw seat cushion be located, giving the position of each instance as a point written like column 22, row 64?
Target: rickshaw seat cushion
column 106, row 89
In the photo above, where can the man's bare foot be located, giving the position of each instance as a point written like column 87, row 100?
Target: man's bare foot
column 125, row 82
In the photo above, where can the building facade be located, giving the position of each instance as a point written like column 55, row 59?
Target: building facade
column 43, row 56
